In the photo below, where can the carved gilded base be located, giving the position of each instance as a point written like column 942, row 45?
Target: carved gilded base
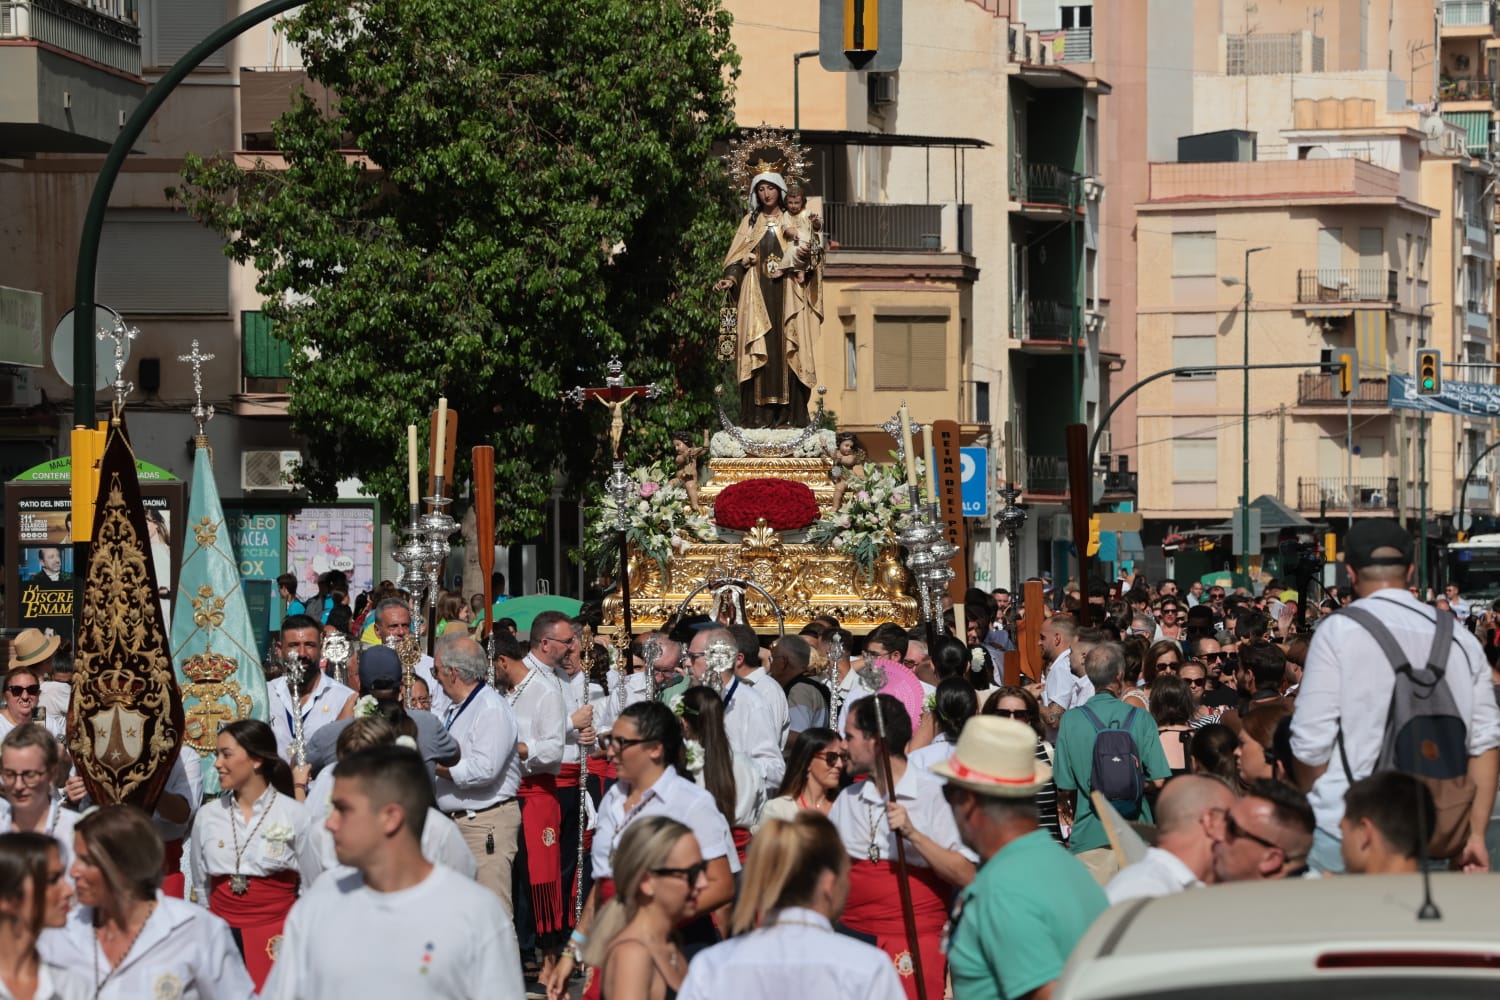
column 805, row 580
column 727, row 471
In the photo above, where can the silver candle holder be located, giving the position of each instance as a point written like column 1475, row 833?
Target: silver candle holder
column 929, row 556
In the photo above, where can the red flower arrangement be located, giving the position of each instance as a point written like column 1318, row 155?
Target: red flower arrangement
column 786, row 505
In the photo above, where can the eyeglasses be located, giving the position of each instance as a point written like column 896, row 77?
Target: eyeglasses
column 1012, row 713
column 1234, row 831
column 832, row 758
column 1211, row 657
column 1168, row 664
column 691, row 873
column 28, row 778
column 566, row 642
column 1196, row 682
column 17, row 690
column 608, row 741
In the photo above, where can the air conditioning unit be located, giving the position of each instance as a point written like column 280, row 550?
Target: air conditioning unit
column 1093, row 188
column 1105, row 437
column 1468, row 251
column 1094, row 320
column 882, row 89
column 264, row 469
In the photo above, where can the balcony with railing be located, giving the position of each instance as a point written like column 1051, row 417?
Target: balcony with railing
column 1477, row 492
column 103, row 32
column 1322, row 389
column 1333, row 493
column 1044, row 184
column 1043, row 320
column 884, row 227
column 1467, row 88
column 1070, row 45
column 1046, row 474
column 1346, row 284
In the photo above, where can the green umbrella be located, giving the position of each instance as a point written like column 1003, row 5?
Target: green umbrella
column 523, row 610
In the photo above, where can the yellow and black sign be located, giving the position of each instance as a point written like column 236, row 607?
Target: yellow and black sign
column 856, row 35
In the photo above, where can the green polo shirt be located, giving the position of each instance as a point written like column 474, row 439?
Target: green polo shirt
column 1074, row 762
column 675, row 690
column 1020, row 918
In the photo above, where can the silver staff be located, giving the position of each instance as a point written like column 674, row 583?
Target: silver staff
column 835, row 691
column 296, row 672
column 583, row 812
column 336, row 651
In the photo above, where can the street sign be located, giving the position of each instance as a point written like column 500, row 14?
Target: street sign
column 855, row 35
column 1469, row 399
column 1237, row 517
column 975, row 477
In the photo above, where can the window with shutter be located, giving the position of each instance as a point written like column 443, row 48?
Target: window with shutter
column 1194, row 254
column 172, row 27
column 911, row 352
column 1195, row 460
column 161, row 262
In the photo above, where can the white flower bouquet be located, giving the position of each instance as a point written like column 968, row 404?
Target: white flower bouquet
column 659, row 520
column 876, row 510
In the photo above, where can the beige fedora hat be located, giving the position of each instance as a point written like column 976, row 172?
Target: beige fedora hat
column 31, row 649
column 996, row 756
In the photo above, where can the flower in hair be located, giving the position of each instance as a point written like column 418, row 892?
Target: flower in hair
column 408, row 742
column 366, row 707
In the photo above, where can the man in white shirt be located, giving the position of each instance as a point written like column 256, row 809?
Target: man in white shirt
column 1347, row 685
column 479, row 792
column 541, row 724
column 1060, row 690
column 320, row 700
column 750, row 671
column 1187, row 812
column 748, row 717
column 423, row 930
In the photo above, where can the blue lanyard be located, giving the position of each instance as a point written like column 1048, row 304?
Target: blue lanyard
column 729, row 695
column 453, row 716
column 291, row 725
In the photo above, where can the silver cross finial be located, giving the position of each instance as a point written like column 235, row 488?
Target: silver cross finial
column 201, row 414
column 893, row 428
column 616, row 376
column 122, row 335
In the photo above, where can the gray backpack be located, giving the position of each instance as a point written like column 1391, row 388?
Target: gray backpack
column 1425, row 734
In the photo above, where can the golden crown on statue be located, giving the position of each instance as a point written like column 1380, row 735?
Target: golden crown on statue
column 209, row 667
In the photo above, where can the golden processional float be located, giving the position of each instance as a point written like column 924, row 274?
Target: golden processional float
column 792, row 520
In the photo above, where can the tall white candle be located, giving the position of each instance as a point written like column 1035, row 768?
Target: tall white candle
column 932, row 493
column 908, row 454
column 412, row 494
column 440, row 450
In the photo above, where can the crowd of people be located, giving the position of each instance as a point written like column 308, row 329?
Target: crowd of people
column 707, row 813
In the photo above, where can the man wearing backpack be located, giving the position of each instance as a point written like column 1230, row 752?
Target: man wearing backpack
column 1109, row 746
column 1389, row 684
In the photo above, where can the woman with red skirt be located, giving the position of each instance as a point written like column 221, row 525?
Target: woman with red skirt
column 250, row 845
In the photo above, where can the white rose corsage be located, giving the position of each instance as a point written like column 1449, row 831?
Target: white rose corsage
column 693, row 751
column 366, row 707
column 277, row 836
column 976, row 657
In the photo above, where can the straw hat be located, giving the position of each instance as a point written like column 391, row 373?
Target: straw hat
column 996, row 756
column 31, row 649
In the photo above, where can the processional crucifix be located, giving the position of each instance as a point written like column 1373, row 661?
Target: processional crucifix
column 615, row 396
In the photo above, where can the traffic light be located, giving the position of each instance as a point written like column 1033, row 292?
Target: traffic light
column 1347, row 361
column 1093, row 546
column 1429, row 371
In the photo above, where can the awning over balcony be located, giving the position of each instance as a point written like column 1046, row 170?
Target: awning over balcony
column 1369, row 339
column 1329, row 313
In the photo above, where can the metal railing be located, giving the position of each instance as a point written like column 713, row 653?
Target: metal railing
column 1467, row 13
column 884, row 227
column 104, row 33
column 1466, row 88
column 1346, row 284
column 1044, row 184
column 1046, row 474
column 1478, row 492
column 1336, row 492
column 1070, row 45
column 1043, row 319
column 1323, row 387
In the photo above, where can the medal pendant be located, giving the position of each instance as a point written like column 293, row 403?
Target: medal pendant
column 239, row 884
column 874, row 852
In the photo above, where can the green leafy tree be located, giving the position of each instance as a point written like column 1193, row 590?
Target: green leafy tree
column 536, row 189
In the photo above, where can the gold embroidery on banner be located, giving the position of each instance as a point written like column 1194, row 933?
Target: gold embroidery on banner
column 123, row 665
column 208, row 610
column 206, row 532
column 210, row 675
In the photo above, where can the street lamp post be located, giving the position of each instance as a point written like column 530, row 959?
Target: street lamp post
column 1245, row 549
column 797, row 58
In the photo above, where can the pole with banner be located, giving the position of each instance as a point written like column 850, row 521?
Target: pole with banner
column 948, row 465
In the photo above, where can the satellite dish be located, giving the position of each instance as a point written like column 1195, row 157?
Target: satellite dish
column 1434, row 127
column 105, row 318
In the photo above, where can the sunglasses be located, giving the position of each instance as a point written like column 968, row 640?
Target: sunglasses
column 1234, row 831
column 833, row 758
column 1211, row 657
column 691, row 873
column 608, row 741
column 18, row 690
column 1012, row 713
column 1196, row 682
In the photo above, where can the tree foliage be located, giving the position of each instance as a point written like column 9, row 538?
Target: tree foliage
column 535, row 190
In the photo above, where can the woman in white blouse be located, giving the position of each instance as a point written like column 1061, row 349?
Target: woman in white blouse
column 813, row 775
column 127, row 940
column 728, row 775
column 784, row 944
column 34, row 893
column 250, row 847
column 28, row 767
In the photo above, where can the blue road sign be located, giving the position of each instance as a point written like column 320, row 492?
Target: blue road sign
column 975, row 464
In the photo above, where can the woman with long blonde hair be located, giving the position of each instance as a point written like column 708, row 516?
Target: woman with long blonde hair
column 784, row 944
column 632, row 947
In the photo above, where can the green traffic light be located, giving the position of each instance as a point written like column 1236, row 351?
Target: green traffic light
column 1427, row 383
